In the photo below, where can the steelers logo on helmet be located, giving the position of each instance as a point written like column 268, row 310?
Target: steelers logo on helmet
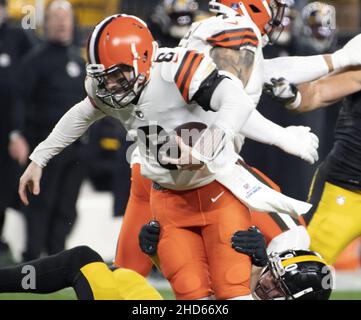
column 121, row 50
column 295, row 275
column 319, row 25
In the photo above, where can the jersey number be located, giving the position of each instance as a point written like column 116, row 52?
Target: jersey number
column 165, row 57
column 156, row 142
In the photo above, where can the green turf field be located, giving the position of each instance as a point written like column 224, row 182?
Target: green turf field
column 68, row 294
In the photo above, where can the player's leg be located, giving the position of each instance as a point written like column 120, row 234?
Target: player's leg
column 137, row 214
column 336, row 221
column 133, row 286
column 184, row 263
column 81, row 268
column 180, row 249
column 230, row 271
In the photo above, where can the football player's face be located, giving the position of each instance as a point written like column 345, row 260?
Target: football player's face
column 116, row 80
column 268, row 288
column 60, row 25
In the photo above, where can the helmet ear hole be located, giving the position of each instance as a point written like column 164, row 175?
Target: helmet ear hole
column 145, row 56
column 254, row 8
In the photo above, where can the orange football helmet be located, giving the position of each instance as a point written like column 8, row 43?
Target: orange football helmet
column 120, row 48
column 266, row 14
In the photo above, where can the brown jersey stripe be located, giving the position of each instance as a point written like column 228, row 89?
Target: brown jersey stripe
column 233, row 31
column 278, row 220
column 234, row 38
column 235, row 46
column 189, row 76
column 226, row 36
column 243, row 38
column 186, row 71
column 180, row 71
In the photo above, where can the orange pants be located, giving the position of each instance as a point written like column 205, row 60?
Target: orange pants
column 194, row 248
column 138, row 213
column 129, row 255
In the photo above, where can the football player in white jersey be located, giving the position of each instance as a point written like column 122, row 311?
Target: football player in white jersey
column 235, row 39
column 150, row 92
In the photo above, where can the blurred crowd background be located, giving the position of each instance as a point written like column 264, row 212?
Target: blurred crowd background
column 42, row 59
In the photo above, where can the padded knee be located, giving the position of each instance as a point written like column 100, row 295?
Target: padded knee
column 133, row 286
column 78, row 257
column 233, row 281
column 188, row 277
column 190, row 285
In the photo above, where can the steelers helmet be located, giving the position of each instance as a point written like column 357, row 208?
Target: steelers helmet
column 174, row 17
column 319, row 25
column 295, row 275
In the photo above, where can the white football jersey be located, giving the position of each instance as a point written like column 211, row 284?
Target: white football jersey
column 234, row 32
column 164, row 104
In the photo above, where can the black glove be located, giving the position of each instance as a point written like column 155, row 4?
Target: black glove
column 283, row 91
column 253, row 244
column 149, row 237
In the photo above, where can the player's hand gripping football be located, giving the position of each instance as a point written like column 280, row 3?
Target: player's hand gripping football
column 284, row 92
column 300, row 142
column 31, row 180
column 186, row 160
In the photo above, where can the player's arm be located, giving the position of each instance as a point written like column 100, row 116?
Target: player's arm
column 297, row 69
column 309, row 68
column 237, row 62
column 297, row 141
column 316, row 94
column 198, row 80
column 233, row 49
column 69, row 128
column 329, row 90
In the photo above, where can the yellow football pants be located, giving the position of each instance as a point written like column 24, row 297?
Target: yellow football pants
column 336, row 222
column 121, row 284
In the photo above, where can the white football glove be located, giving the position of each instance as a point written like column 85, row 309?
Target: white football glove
column 349, row 55
column 283, row 91
column 300, row 142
